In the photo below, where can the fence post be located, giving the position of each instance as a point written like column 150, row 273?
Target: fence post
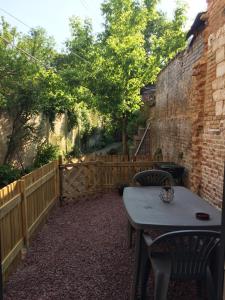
column 60, row 180
column 56, row 166
column 98, row 176
column 24, row 213
column 1, row 274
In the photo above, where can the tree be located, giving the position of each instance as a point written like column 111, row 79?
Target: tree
column 120, row 61
column 163, row 38
column 103, row 73
column 136, row 43
column 27, row 88
column 75, row 69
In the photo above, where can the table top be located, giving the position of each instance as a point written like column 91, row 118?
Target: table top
column 146, row 210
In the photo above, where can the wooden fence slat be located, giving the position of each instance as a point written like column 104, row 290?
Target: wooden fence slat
column 24, row 213
column 40, row 218
column 8, row 206
column 34, row 186
column 60, row 174
column 11, row 256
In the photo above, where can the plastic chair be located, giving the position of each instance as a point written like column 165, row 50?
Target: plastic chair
column 179, row 255
column 153, row 178
column 149, row 178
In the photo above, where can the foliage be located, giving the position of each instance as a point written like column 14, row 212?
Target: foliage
column 8, row 174
column 45, row 154
column 94, row 77
column 135, row 121
column 21, row 86
column 163, row 38
column 137, row 42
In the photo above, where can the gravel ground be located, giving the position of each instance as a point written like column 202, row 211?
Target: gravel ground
column 81, row 253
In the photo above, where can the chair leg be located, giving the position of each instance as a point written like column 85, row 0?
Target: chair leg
column 145, row 270
column 129, row 233
column 200, row 288
column 211, row 289
column 161, row 286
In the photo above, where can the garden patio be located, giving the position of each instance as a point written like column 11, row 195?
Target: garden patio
column 81, row 253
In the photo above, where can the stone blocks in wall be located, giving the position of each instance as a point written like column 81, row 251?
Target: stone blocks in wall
column 217, row 39
column 218, row 83
column 219, row 95
column 219, row 108
column 220, row 55
column 220, row 69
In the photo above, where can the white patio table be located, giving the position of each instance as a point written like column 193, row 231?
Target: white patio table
column 146, row 211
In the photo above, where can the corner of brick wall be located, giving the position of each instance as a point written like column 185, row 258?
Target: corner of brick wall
column 175, row 109
column 189, row 117
column 213, row 139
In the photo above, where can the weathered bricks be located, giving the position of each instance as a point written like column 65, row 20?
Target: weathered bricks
column 189, row 116
column 220, row 55
column 220, row 69
column 219, row 95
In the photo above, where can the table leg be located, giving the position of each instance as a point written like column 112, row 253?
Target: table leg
column 137, row 265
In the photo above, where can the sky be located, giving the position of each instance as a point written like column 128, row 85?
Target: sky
column 53, row 15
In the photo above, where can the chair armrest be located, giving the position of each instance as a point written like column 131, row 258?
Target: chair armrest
column 147, row 239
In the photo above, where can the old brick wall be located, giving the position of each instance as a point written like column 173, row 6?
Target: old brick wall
column 171, row 119
column 213, row 146
column 188, row 121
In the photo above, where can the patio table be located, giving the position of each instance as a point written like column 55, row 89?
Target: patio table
column 145, row 211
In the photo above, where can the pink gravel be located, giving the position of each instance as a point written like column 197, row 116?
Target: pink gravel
column 81, row 253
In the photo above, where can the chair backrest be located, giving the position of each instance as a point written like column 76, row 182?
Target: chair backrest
column 188, row 250
column 153, row 178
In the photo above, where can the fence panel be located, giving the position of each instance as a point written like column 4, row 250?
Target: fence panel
column 115, row 174
column 41, row 192
column 11, row 223
column 79, row 180
column 111, row 158
column 23, row 205
column 89, row 178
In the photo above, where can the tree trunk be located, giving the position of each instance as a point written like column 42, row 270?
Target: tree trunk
column 47, row 129
column 19, row 135
column 11, row 149
column 124, row 136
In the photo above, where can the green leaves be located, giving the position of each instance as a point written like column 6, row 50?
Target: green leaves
column 138, row 41
column 103, row 73
column 27, row 88
column 119, row 64
column 163, row 39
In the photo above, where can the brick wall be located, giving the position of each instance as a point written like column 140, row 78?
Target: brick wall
column 188, row 121
column 171, row 129
column 213, row 146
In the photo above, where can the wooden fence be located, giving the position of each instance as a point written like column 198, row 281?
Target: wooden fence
column 81, row 180
column 112, row 158
column 23, row 205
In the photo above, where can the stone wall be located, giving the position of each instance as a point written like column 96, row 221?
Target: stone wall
column 56, row 137
column 188, row 121
column 5, row 130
